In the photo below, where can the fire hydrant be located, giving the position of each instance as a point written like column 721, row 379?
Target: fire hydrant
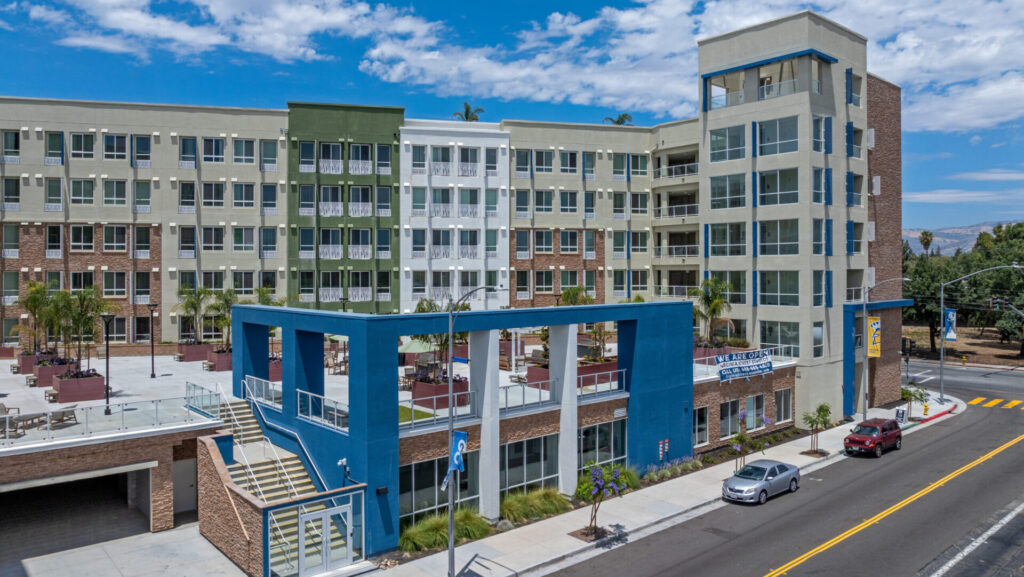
column 926, row 409
column 963, row 361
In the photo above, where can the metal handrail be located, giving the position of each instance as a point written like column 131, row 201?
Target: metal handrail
column 434, row 416
column 504, row 389
column 616, row 381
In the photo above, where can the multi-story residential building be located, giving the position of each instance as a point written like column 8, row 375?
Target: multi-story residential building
column 140, row 200
column 455, row 213
column 343, row 206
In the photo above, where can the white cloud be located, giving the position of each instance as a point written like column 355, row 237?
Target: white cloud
column 992, row 174
column 5, row 26
column 47, row 15
column 957, row 196
column 114, row 44
column 975, row 140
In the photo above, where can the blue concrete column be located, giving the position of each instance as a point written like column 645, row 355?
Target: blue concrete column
column 484, row 384
column 250, row 353
column 302, row 367
column 562, row 365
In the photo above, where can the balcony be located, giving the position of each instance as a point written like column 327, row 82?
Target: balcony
column 467, row 169
column 56, row 161
column 307, row 166
column 383, row 295
column 142, row 299
column 360, row 294
column 470, row 251
column 682, row 250
column 676, row 211
column 440, row 210
column 676, row 171
column 10, row 299
column 307, row 255
column 360, row 209
column 269, row 167
column 673, row 291
column 329, row 166
column 306, row 297
column 383, row 211
column 419, row 169
column 331, row 209
column 331, row 251
column 186, row 209
column 727, row 99
column 383, row 254
column 441, row 168
column 359, row 251
column 523, row 295
column 54, row 253
column 306, row 211
column 777, row 89
column 440, row 293
column 854, row 294
column 186, row 253
column 469, row 210
column 361, row 167
column 331, row 294
column 522, row 254
column 10, row 253
column 186, row 165
column 440, row 251
column 141, row 253
column 384, row 169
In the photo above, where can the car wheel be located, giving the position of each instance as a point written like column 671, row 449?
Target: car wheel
column 792, row 486
column 878, row 450
column 763, row 497
column 899, row 443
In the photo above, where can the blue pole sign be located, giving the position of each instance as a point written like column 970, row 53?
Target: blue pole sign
column 746, row 364
column 949, row 325
column 459, row 441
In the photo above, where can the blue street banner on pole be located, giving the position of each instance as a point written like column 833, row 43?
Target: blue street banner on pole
column 746, row 364
column 949, row 325
column 455, row 463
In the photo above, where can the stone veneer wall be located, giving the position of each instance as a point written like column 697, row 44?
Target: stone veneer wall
column 711, row 394
column 229, row 517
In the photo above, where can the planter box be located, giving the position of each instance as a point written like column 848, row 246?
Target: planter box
column 26, row 363
column 7, row 352
column 191, row 353
column 220, row 361
column 542, row 376
column 47, row 374
column 275, row 371
column 505, row 348
column 425, row 391
column 76, row 390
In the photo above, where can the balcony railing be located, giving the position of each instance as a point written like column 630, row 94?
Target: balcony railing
column 10, row 299
column 425, row 411
column 269, row 167
column 588, row 215
column 777, row 89
column 306, row 211
column 268, row 210
column 268, row 253
column 727, row 99
column 54, row 253
column 440, row 210
column 331, row 251
column 855, row 99
column 186, row 165
column 675, row 291
column 307, row 254
column 384, row 211
column 419, row 253
column 440, row 251
column 441, row 168
column 522, row 213
column 10, row 159
column 618, row 254
column 521, row 172
column 383, row 295
column 619, row 175
column 491, row 253
column 360, row 294
column 359, row 251
column 146, row 163
column 142, row 299
column 465, row 290
column 306, row 297
column 620, row 215
column 589, row 255
column 523, row 295
column 187, row 253
column 517, row 396
column 361, row 167
column 522, row 254
column 330, row 166
column 10, row 253
column 12, row 206
column 383, row 169
column 440, row 293
column 419, row 169
column 360, row 209
column 323, row 410
column 467, row 169
column 469, row 210
column 186, row 209
column 676, row 170
column 307, row 166
column 53, row 207
column 331, row 294
column 855, row 151
column 601, row 383
column 142, row 253
column 142, row 208
column 854, row 294
column 470, row 251
column 56, row 161
column 383, row 254
column 676, row 211
column 331, row 209
column 681, row 250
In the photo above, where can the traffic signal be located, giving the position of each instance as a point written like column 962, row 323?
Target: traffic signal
column 993, row 302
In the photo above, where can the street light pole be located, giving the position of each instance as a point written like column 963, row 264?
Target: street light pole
column 152, row 342
column 865, row 378
column 107, row 318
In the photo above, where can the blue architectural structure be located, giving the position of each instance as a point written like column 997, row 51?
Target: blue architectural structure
column 850, row 348
column 657, row 386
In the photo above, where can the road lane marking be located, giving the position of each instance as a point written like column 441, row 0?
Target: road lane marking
column 976, row 401
column 921, row 373
column 923, row 381
column 978, row 542
column 878, row 517
column 992, row 403
column 1012, row 404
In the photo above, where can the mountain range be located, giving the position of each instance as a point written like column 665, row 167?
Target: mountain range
column 949, row 239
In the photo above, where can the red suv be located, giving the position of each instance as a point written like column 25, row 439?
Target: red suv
column 874, row 436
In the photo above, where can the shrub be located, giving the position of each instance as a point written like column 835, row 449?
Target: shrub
column 470, row 525
column 738, row 342
column 520, row 507
column 630, row 478
column 432, row 532
column 513, row 507
column 664, row 474
column 650, row 477
column 708, row 459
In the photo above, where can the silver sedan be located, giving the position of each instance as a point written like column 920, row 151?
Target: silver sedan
column 757, row 481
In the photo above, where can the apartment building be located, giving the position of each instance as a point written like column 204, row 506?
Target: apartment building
column 455, row 213
column 140, row 200
column 343, row 207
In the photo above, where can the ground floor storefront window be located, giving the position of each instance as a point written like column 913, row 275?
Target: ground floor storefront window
column 419, row 487
column 530, row 464
column 602, row 443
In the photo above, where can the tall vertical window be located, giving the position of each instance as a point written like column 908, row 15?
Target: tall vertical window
column 186, row 197
column 268, row 199
column 783, row 406
column 619, row 166
column 818, row 288
column 818, row 185
column 818, row 339
column 54, row 147
column 143, row 150
column 307, row 156
column 491, row 161
column 384, row 160
column 818, row 134
column 589, row 158
column 419, row 201
column 419, row 487
column 143, row 196
column 491, row 202
column 12, row 193
column 268, row 155
column 419, row 159
column 818, row 236
column 522, row 203
column 700, row 426
column 728, row 143
column 729, row 418
column 54, row 194
column 187, row 150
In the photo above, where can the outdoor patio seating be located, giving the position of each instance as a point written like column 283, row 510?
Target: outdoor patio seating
column 5, row 410
column 29, row 421
column 179, row 357
column 51, row 395
column 64, row 415
column 14, row 368
column 30, row 380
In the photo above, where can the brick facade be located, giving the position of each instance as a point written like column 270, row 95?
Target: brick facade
column 556, row 261
column 229, row 517
column 886, row 381
column 711, row 394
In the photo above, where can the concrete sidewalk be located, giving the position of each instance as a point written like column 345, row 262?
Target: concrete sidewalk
column 544, row 546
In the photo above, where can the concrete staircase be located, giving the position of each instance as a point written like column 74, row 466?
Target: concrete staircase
column 243, row 424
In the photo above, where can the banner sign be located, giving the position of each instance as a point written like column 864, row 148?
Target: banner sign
column 745, row 364
column 949, row 325
column 874, row 337
column 901, row 415
column 455, row 463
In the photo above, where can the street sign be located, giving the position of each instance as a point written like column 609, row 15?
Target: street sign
column 874, row 337
column 901, row 415
column 949, row 325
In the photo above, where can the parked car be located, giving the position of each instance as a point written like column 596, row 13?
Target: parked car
column 757, row 481
column 874, row 436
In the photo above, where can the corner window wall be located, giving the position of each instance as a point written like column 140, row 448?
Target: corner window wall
column 419, row 487
column 602, row 444
column 778, row 136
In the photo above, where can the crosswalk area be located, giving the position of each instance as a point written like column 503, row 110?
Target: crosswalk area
column 997, row 403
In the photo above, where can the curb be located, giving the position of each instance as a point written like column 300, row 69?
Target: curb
column 937, row 415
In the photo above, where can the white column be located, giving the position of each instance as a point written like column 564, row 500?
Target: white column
column 562, row 364
column 483, row 382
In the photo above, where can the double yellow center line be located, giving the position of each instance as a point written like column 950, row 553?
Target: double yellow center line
column 873, row 520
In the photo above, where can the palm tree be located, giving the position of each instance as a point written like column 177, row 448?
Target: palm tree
column 437, row 340
column 37, row 299
column 576, row 295
column 266, row 296
column 221, row 310
column 86, row 307
column 191, row 303
column 710, row 303
column 469, row 114
column 623, row 119
column 56, row 318
column 925, row 238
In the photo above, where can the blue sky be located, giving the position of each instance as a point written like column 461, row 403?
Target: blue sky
column 962, row 72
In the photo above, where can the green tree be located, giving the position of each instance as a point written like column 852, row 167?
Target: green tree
column 468, row 114
column 711, row 303
column 623, row 119
column 574, row 296
column 221, row 306
column 192, row 304
column 820, row 418
column 267, row 297
column 36, row 301
column 86, row 307
column 926, row 274
column 925, row 238
column 56, row 318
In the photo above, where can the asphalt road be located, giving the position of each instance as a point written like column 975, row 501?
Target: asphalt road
column 913, row 539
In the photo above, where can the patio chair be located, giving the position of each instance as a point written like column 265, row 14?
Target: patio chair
column 64, row 415
column 30, row 421
column 5, row 410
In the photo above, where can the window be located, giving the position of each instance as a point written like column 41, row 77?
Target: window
column 143, row 150
column 818, row 236
column 142, row 330
column 619, row 205
column 115, row 147
column 213, row 150
column 818, row 185
column 522, row 243
column 268, row 241
column 383, row 242
column 729, row 191
column 728, row 143
column 383, row 201
column 142, row 236
column 589, row 159
column 588, row 205
column 213, row 194
column 115, row 237
column 187, row 242
column 419, row 242
column 604, row 443
column 818, row 290
column 778, row 187
column 528, row 465
column 783, row 406
column 590, row 281
column 187, row 152
column 543, row 241
column 268, row 279
column 569, row 242
column 268, row 154
column 638, row 280
column 419, row 159
column 469, row 200
column 307, row 200
column 755, row 412
column 491, row 161
column 729, row 418
column 589, row 248
column 440, row 154
column 307, row 157
column 470, row 239
column 55, row 146
column 543, row 160
column 638, row 242
column 638, row 165
column 82, row 192
column 469, row 279
column 268, row 199
column 187, row 197
column 384, row 160
column 83, row 146
column 778, row 136
column 54, row 193
column 780, row 288
column 729, row 239
column 81, row 281
column 11, row 239
column 419, row 488
column 11, row 337
column 522, row 164
column 244, row 238
column 491, row 242
column 469, row 156
column 419, row 201
column 818, row 134
column 522, row 284
column 12, row 192
column 567, row 162
column 115, row 284
column 736, row 285
column 522, row 203
column 779, row 237
column 359, row 152
column 619, row 166
column 818, row 335
column 54, row 238
column 784, row 336
column 543, row 200
column 638, row 203
column 245, row 195
column 243, row 282
column 143, row 196
column 568, row 201
column 115, row 192
column 700, row 426
column 213, row 279
column 81, row 237
column 619, row 283
column 307, row 284
column 187, row 279
column 491, row 201
column 419, row 282
column 213, row 238
column 244, row 151
column 570, row 278
column 619, row 244
column 543, row 281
